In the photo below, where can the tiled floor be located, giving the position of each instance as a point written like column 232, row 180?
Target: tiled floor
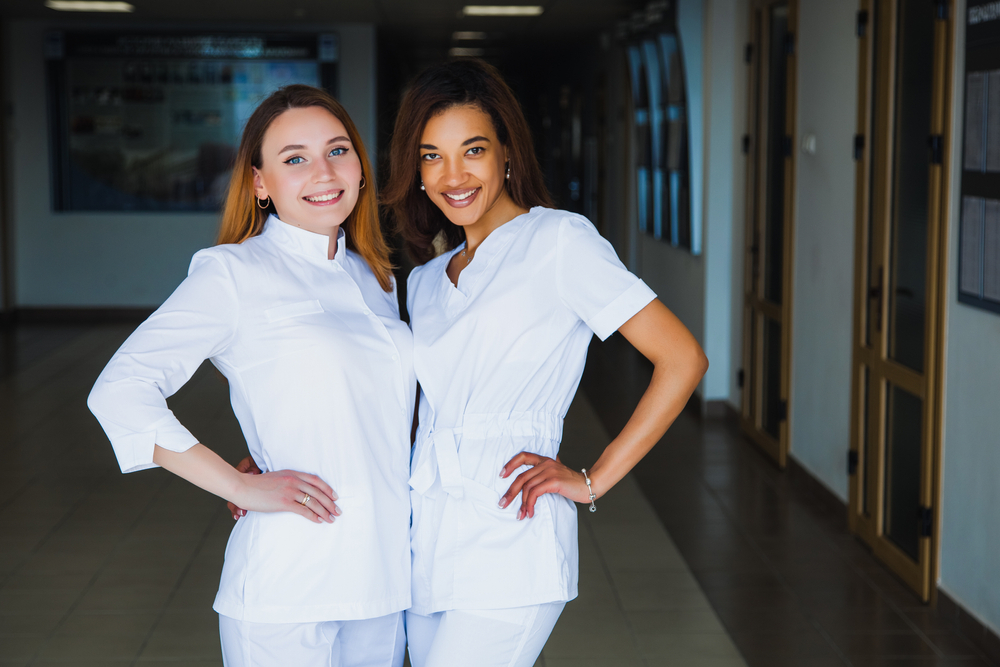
column 100, row 568
column 728, row 562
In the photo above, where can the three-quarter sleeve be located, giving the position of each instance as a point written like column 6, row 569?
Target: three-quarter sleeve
column 129, row 398
column 593, row 282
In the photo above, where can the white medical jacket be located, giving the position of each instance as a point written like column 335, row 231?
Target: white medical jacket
column 499, row 359
column 320, row 377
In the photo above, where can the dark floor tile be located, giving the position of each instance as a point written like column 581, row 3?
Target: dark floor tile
column 875, row 645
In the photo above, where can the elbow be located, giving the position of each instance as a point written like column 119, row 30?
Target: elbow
column 701, row 362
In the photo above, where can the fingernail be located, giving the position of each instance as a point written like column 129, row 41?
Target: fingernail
column 503, row 471
column 235, row 518
column 502, row 503
column 336, row 511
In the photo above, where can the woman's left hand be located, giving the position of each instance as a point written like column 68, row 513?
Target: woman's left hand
column 546, row 476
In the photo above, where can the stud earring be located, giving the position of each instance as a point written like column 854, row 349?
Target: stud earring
column 363, row 183
column 263, row 206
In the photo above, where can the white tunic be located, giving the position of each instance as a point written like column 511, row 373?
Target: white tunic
column 320, row 376
column 499, row 359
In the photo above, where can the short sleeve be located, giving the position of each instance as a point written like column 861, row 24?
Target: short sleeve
column 593, row 282
column 129, row 398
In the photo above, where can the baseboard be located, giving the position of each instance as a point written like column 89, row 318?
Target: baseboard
column 985, row 639
column 801, row 477
column 78, row 315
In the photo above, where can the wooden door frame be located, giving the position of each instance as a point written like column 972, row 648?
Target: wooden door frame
column 922, row 576
column 755, row 196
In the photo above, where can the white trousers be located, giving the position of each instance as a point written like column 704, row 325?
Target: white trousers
column 481, row 638
column 373, row 642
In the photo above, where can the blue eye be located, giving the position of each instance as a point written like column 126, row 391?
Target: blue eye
column 294, row 160
column 336, row 152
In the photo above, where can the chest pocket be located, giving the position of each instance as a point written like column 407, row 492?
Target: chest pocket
column 297, row 309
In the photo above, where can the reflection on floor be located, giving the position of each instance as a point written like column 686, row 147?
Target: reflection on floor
column 100, row 568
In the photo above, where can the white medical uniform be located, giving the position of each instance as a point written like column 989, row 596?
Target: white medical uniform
column 320, row 377
column 499, row 358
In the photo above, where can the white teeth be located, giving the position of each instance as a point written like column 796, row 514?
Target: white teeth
column 461, row 196
column 321, row 198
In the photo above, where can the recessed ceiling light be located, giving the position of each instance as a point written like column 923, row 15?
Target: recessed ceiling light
column 502, row 10
column 464, row 35
column 458, row 51
column 88, row 6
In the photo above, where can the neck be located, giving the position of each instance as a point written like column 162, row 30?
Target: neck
column 332, row 232
column 332, row 252
column 501, row 212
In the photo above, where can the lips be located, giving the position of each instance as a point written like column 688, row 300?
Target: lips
column 461, row 198
column 329, row 197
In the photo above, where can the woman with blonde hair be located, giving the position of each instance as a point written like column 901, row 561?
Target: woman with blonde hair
column 297, row 307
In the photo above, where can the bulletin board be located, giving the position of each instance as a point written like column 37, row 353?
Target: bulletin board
column 151, row 122
column 979, row 227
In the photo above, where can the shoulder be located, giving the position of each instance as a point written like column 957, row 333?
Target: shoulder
column 556, row 224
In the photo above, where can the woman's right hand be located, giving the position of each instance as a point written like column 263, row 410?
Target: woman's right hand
column 284, row 491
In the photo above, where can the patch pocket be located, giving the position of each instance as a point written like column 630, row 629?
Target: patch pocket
column 297, row 309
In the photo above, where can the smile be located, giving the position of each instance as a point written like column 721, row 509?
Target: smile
column 461, row 196
column 324, row 198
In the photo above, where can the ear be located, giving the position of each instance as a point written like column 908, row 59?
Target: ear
column 258, row 184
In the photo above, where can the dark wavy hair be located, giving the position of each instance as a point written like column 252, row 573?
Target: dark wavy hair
column 472, row 82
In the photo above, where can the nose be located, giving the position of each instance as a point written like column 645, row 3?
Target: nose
column 323, row 171
column 454, row 172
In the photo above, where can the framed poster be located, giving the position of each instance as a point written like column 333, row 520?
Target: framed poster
column 979, row 227
column 151, row 122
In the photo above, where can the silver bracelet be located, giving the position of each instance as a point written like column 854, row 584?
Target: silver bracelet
column 593, row 496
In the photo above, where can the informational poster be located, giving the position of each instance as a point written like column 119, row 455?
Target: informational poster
column 152, row 122
column 979, row 229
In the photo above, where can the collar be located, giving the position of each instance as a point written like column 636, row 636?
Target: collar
column 302, row 241
column 498, row 239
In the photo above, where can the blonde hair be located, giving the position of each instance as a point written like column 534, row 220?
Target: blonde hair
column 243, row 218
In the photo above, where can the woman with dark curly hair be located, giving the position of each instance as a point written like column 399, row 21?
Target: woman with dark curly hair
column 503, row 306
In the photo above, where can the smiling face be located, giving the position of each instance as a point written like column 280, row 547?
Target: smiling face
column 463, row 165
column 309, row 169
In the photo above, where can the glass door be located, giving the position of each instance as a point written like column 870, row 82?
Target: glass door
column 770, row 57
column 905, row 57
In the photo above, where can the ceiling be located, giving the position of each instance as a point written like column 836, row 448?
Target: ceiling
column 422, row 21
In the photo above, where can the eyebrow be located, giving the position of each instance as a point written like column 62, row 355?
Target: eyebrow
column 473, row 140
column 299, row 147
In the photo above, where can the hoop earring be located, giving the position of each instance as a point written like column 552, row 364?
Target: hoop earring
column 422, row 186
column 363, row 182
column 263, row 206
column 508, row 170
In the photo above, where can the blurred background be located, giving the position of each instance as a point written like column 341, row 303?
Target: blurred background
column 812, row 186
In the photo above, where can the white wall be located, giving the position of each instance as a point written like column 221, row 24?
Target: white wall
column 677, row 276
column 724, row 76
column 970, row 520
column 823, row 265
column 118, row 259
